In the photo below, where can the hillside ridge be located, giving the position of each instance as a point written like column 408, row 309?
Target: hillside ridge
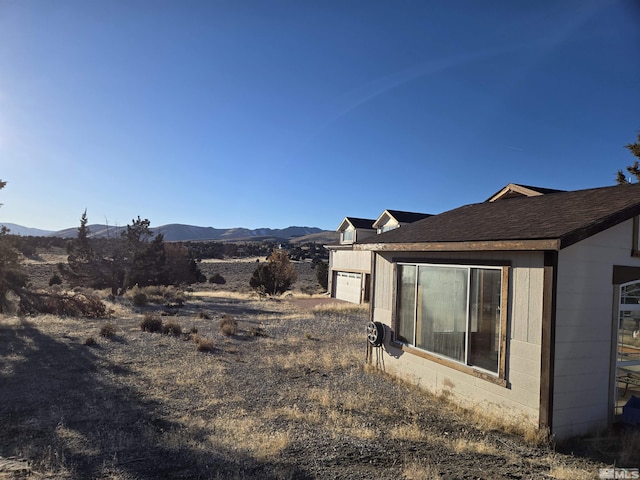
column 176, row 232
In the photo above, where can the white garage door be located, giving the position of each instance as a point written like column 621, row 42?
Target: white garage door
column 348, row 286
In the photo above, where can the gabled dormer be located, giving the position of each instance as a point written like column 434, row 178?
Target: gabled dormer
column 392, row 219
column 353, row 229
column 515, row 190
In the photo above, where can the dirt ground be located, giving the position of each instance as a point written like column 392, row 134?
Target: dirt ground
column 287, row 395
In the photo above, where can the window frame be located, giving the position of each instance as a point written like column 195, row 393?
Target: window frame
column 348, row 235
column 498, row 377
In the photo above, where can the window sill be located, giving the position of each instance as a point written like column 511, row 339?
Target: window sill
column 449, row 363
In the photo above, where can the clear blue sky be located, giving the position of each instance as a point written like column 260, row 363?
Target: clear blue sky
column 260, row 113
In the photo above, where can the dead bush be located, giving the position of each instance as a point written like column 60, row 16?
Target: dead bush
column 90, row 342
column 156, row 294
column 257, row 332
column 203, row 344
column 151, row 323
column 228, row 326
column 172, row 328
column 76, row 304
column 108, row 330
column 203, row 316
column 140, row 299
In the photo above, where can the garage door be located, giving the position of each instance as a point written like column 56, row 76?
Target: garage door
column 348, row 286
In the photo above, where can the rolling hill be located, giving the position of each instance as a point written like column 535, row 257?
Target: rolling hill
column 180, row 233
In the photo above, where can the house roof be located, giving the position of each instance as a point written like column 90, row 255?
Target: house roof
column 516, row 190
column 404, row 217
column 365, row 223
column 539, row 222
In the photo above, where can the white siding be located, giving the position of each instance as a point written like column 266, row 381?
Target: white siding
column 351, row 261
column 521, row 397
column 584, row 317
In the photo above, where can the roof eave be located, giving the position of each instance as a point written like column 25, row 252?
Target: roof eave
column 492, row 245
column 342, row 246
column 597, row 227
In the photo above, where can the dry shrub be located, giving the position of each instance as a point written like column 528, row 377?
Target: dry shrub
column 90, row 342
column 157, row 294
column 172, row 328
column 108, row 330
column 203, row 316
column 76, row 304
column 257, row 332
column 151, row 323
column 140, row 299
column 203, row 344
column 228, row 326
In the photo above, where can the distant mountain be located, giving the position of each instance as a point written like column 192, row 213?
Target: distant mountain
column 181, row 233
column 26, row 231
column 176, row 232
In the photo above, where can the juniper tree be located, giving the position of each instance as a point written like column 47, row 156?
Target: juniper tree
column 634, row 169
column 12, row 276
column 275, row 276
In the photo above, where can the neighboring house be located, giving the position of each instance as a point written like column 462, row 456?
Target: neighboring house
column 528, row 307
column 349, row 270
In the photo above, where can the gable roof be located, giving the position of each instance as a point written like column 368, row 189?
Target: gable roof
column 516, row 190
column 539, row 222
column 364, row 223
column 406, row 217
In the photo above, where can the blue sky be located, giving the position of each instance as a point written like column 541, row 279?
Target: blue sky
column 275, row 113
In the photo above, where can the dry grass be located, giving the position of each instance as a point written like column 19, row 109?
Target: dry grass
column 340, row 309
column 563, row 472
column 238, row 431
column 489, row 419
column 411, row 432
column 276, row 406
column 419, row 470
column 464, row 445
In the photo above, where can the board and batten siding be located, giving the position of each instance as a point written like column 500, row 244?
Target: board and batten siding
column 521, row 395
column 584, row 325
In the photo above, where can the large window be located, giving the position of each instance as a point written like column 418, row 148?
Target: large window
column 453, row 311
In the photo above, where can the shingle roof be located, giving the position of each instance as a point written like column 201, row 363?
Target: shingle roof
column 407, row 217
column 361, row 222
column 565, row 216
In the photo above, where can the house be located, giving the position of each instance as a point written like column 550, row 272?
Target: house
column 528, row 306
column 350, row 270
